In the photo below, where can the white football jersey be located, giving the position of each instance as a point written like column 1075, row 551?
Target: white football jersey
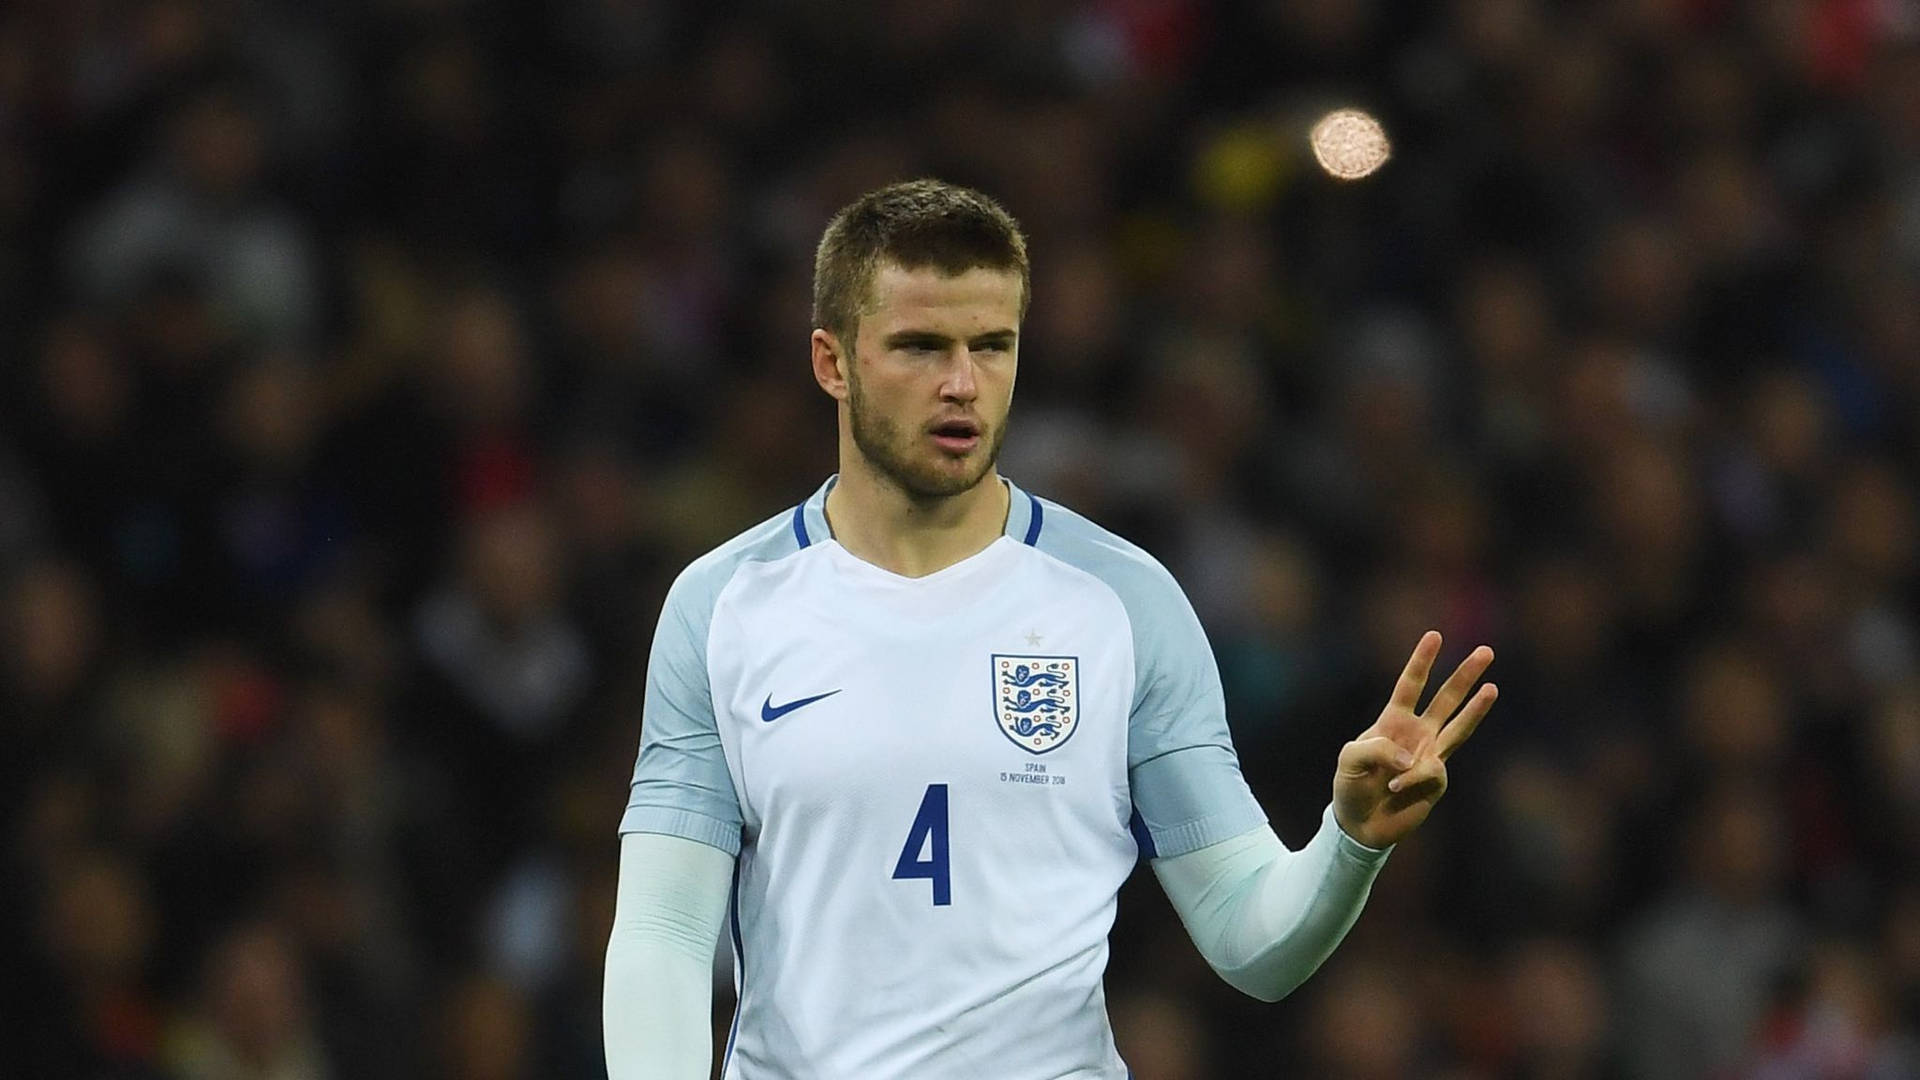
column 935, row 787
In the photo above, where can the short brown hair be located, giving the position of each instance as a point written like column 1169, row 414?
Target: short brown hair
column 915, row 224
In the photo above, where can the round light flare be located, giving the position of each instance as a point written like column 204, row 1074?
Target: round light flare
column 1349, row 144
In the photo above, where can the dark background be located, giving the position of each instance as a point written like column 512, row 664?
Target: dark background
column 368, row 368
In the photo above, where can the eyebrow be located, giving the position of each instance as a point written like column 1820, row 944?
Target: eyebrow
column 900, row 339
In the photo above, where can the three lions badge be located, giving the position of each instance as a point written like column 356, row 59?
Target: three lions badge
column 1036, row 699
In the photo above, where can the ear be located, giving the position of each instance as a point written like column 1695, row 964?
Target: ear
column 830, row 362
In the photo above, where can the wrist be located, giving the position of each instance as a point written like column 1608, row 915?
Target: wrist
column 1355, row 840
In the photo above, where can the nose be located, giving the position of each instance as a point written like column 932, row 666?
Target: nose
column 959, row 385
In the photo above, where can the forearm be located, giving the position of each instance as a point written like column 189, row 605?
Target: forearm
column 1264, row 917
column 658, row 996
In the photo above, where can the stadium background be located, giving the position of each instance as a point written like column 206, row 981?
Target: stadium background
column 370, row 367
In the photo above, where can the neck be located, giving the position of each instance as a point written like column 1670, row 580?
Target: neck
column 879, row 523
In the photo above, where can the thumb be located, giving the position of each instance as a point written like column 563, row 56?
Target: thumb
column 1362, row 756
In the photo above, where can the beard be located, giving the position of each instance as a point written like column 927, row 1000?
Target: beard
column 898, row 456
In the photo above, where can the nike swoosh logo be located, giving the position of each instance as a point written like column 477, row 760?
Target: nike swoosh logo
column 770, row 712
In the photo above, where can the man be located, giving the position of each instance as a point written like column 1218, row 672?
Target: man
column 922, row 727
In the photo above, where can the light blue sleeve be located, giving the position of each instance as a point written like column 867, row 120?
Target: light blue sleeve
column 1264, row 917
column 681, row 786
column 656, row 997
column 1185, row 777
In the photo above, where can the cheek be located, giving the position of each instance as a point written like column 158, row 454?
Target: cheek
column 1002, row 385
column 885, row 388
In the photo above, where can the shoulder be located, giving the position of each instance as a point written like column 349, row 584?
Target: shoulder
column 1139, row 579
column 696, row 590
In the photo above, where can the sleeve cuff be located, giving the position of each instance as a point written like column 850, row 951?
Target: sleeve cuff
column 1192, row 798
column 1194, row 835
column 682, row 823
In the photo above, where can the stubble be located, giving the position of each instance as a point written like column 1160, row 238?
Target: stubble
column 896, row 455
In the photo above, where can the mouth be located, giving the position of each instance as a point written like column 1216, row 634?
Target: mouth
column 956, row 436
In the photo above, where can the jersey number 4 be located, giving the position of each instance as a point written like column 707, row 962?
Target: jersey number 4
column 929, row 833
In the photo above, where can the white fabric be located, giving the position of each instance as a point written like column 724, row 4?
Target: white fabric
column 935, row 787
column 1265, row 917
column 848, row 966
column 1182, row 776
column 658, row 996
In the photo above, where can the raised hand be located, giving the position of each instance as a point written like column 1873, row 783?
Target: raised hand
column 1390, row 776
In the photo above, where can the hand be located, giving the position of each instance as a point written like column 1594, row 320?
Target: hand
column 1391, row 775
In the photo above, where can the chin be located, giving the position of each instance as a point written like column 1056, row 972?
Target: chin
column 946, row 479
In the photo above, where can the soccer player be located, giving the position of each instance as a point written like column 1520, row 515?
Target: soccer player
column 907, row 740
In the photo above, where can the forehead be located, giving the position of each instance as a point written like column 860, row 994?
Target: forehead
column 977, row 300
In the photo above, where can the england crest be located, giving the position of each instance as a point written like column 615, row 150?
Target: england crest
column 1036, row 699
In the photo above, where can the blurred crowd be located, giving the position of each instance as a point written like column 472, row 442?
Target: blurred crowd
column 368, row 368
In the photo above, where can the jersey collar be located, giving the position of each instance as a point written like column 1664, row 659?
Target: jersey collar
column 1025, row 518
